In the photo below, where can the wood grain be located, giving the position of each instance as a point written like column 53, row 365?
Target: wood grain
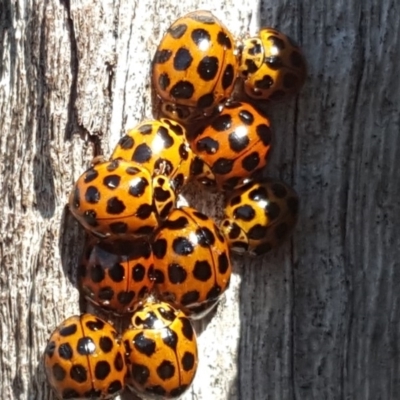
column 317, row 319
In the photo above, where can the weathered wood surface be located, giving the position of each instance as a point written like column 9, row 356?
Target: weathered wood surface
column 317, row 319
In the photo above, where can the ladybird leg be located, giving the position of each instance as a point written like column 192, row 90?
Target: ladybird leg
column 164, row 196
column 235, row 236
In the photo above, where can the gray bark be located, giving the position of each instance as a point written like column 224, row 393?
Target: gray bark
column 317, row 318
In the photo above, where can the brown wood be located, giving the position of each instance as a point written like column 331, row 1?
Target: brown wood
column 316, row 319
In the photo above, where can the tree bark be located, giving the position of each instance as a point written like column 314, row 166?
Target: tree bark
column 318, row 318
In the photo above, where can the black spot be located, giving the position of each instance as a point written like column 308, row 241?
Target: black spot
column 145, row 129
column 177, row 224
column 183, row 151
column 177, row 182
column 205, row 101
column 257, row 232
column 196, row 167
column 96, row 325
column 126, row 297
column 208, row 68
column 205, row 237
column 138, row 272
column 59, row 372
column 65, row 351
column 140, row 373
column 224, row 40
column 296, row 59
column 119, row 362
column 106, row 293
column 188, row 360
column 200, row 215
column 102, row 370
column 78, row 373
column 50, row 348
column 144, row 211
column 246, row 117
column 272, row 210
column 85, row 346
column 159, row 276
column 251, row 161
column 90, row 175
column 200, row 36
column 274, row 62
column 114, row 387
column 281, row 230
column 251, row 66
column 138, row 187
column 234, row 231
column 168, row 141
column 142, row 153
column 177, row 31
column 132, row 170
column 265, row 134
column 222, row 123
column 170, row 338
column 265, row 83
column 279, row 190
column 126, row 142
column 208, row 145
column 202, row 271
column 92, row 195
column 112, row 181
column 117, row 272
column 222, row 166
column 256, row 49
column 118, row 227
column 228, row 76
column 190, row 297
column 187, row 328
column 157, row 390
column 163, row 166
column 112, row 165
column 223, row 263
column 161, row 195
column 106, row 344
column 238, row 142
column 176, row 273
column 277, row 42
column 160, row 248
column 182, row 90
column 182, row 246
column 290, row 80
column 182, row 59
column 68, row 330
column 234, row 201
column 214, row 293
column 245, row 213
column 166, row 370
column 162, row 56
column 259, row 193
column 70, row 394
column 144, row 345
column 115, row 206
column 167, row 313
column 293, row 205
column 164, row 81
column 178, row 391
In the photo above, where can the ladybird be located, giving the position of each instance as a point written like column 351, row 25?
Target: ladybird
column 161, row 351
column 271, row 65
column 192, row 265
column 161, row 147
column 235, row 147
column 120, row 198
column 116, row 275
column 195, row 66
column 260, row 216
column 84, row 359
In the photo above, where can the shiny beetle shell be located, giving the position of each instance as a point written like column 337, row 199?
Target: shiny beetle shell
column 161, row 147
column 161, row 350
column 191, row 261
column 272, row 66
column 83, row 359
column 116, row 275
column 260, row 216
column 195, row 66
column 235, row 147
column 119, row 198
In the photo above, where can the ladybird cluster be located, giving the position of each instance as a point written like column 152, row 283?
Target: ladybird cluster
column 158, row 263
